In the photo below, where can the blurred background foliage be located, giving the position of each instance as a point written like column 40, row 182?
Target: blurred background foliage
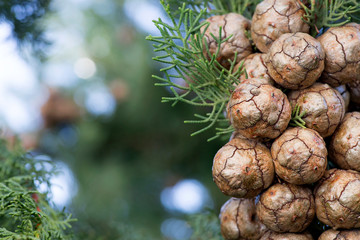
column 132, row 169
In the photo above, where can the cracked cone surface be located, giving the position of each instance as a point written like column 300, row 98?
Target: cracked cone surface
column 286, row 208
column 344, row 147
column 258, row 110
column 324, row 107
column 272, row 18
column 300, row 156
column 255, row 67
column 342, row 49
column 295, row 60
column 239, row 221
column 337, row 199
column 243, row 168
column 231, row 24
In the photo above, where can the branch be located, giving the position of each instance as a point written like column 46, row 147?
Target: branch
column 330, row 13
column 24, row 212
column 183, row 53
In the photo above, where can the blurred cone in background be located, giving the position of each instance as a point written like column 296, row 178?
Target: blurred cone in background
column 119, row 89
column 59, row 109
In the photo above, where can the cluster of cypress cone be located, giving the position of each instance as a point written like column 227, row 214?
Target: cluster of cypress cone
column 279, row 177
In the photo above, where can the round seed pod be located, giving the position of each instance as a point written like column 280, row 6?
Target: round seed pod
column 231, row 24
column 299, row 156
column 324, row 107
column 255, row 67
column 258, row 110
column 354, row 88
column 295, row 60
column 239, row 220
column 270, row 235
column 340, row 235
column 272, row 18
column 344, row 148
column 346, row 95
column 337, row 199
column 342, row 50
column 243, row 168
column 286, row 208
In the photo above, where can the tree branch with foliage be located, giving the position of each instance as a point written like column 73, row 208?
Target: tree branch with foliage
column 23, row 17
column 330, row 13
column 208, row 84
column 26, row 213
column 180, row 49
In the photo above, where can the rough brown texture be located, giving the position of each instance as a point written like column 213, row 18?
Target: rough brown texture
column 344, row 148
column 272, row 18
column 354, row 88
column 243, row 168
column 324, row 106
column 270, row 235
column 340, row 235
column 232, row 24
column 295, row 60
column 342, row 89
column 258, row 110
column 255, row 67
column 286, row 208
column 239, row 220
column 299, row 156
column 337, row 199
column 342, row 49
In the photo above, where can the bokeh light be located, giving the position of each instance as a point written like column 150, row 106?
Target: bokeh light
column 63, row 186
column 19, row 87
column 186, row 196
column 143, row 12
column 84, row 68
column 176, row 229
column 99, row 100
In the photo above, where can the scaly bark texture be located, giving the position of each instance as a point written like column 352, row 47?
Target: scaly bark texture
column 258, row 110
column 324, row 107
column 300, row 156
column 272, row 18
column 243, row 168
column 231, row 24
column 342, row 49
column 344, row 148
column 239, row 220
column 337, row 199
column 295, row 60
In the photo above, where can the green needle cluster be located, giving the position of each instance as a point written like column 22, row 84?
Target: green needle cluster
column 296, row 117
column 330, row 13
column 24, row 212
column 182, row 52
column 180, row 49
